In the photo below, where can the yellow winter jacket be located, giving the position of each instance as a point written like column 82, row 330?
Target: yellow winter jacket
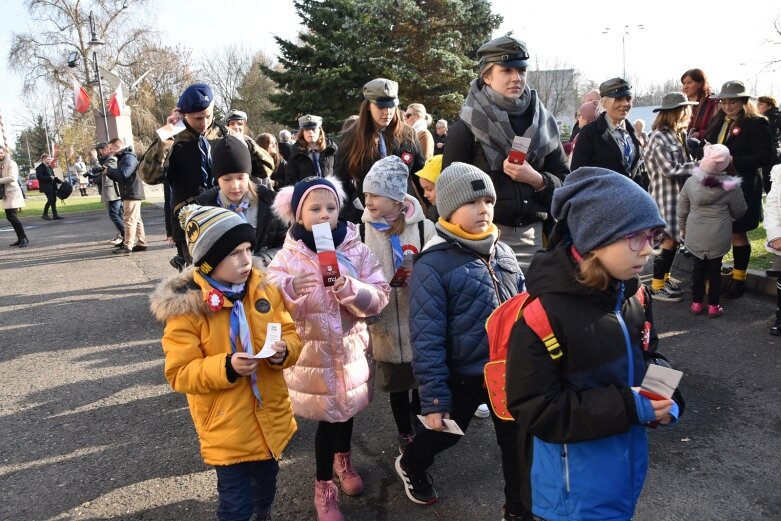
column 232, row 427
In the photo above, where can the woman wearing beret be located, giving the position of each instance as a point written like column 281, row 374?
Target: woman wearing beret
column 499, row 107
column 378, row 132
column 746, row 134
column 694, row 84
column 669, row 163
column 610, row 141
column 313, row 153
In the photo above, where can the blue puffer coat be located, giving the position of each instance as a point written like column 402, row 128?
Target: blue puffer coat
column 453, row 291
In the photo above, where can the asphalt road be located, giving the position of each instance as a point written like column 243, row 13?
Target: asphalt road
column 89, row 429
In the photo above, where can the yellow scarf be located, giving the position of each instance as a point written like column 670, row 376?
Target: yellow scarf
column 456, row 230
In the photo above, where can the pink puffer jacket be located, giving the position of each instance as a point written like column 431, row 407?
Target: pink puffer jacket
column 333, row 379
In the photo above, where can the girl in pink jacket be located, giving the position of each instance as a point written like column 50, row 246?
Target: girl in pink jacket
column 333, row 379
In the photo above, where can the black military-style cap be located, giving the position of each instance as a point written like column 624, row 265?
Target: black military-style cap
column 100, row 144
column 505, row 50
column 615, row 88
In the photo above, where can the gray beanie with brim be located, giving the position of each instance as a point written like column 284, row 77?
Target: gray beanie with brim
column 601, row 206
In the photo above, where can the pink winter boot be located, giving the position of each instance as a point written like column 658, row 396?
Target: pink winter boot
column 350, row 481
column 326, row 501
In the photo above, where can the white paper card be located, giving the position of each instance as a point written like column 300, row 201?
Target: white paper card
column 660, row 380
column 273, row 335
column 521, row 143
column 324, row 238
column 450, row 425
column 168, row 131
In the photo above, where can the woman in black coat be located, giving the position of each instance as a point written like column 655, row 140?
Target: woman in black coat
column 610, row 141
column 501, row 106
column 312, row 154
column 739, row 126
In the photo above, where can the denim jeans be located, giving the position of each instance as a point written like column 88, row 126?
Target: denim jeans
column 245, row 488
column 115, row 213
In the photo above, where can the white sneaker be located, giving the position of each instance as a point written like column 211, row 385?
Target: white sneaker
column 482, row 411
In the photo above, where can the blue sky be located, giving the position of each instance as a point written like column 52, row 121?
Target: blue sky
column 563, row 33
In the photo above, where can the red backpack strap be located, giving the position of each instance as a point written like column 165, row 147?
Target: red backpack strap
column 537, row 320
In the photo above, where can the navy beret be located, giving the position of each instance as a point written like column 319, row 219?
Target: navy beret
column 195, row 98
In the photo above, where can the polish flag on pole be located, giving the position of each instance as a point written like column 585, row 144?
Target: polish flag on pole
column 116, row 102
column 80, row 97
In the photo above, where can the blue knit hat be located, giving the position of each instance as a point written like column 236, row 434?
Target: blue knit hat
column 303, row 187
column 195, row 98
column 600, row 206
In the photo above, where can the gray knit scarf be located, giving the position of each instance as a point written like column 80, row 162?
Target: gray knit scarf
column 485, row 113
column 483, row 246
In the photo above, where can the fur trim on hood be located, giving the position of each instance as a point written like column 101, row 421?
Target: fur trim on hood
column 720, row 180
column 283, row 206
column 180, row 295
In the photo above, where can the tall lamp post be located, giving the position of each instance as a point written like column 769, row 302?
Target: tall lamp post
column 95, row 44
column 624, row 33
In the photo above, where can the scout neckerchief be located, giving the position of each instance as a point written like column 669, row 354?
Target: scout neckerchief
column 206, row 160
column 725, row 127
column 239, row 327
column 233, row 207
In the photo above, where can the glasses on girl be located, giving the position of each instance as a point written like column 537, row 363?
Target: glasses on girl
column 653, row 237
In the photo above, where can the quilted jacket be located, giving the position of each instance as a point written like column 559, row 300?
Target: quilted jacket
column 453, row 290
column 334, row 377
column 231, row 427
column 390, row 334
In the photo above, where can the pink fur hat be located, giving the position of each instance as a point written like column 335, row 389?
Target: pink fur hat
column 716, row 159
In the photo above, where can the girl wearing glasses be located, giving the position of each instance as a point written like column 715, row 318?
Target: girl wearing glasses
column 746, row 134
column 583, row 409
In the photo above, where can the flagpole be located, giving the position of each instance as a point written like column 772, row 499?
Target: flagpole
column 95, row 44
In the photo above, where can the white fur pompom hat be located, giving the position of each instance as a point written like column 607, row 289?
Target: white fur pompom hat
column 287, row 203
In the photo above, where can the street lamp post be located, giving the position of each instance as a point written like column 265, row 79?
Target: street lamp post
column 624, row 33
column 95, row 44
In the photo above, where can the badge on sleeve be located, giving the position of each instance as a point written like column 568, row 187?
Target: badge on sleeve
column 407, row 158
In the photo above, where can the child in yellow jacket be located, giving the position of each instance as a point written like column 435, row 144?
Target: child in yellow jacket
column 218, row 314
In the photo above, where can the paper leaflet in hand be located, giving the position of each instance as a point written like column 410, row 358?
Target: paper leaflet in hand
column 451, row 426
column 326, row 253
column 168, row 130
column 273, row 335
column 660, row 382
column 399, row 278
column 519, row 149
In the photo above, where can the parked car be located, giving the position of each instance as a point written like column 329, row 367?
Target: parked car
column 32, row 182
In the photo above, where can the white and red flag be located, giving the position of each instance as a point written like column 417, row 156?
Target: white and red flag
column 80, row 97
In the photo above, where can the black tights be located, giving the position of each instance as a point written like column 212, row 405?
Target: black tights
column 15, row 223
column 403, row 410
column 330, row 439
column 706, row 270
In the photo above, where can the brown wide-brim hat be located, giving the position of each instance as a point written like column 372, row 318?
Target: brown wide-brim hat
column 731, row 90
column 673, row 100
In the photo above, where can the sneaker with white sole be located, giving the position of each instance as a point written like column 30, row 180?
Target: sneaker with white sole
column 417, row 486
column 482, row 411
column 673, row 288
column 664, row 295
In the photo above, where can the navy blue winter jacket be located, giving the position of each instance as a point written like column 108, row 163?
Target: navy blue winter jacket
column 453, row 291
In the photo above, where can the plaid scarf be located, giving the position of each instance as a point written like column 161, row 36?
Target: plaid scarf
column 487, row 114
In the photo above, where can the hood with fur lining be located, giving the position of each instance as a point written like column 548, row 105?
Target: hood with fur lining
column 180, row 295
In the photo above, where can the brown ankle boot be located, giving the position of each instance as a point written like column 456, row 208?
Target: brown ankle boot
column 327, row 501
column 349, row 480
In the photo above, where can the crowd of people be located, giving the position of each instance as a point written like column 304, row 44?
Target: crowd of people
column 431, row 233
column 313, row 271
